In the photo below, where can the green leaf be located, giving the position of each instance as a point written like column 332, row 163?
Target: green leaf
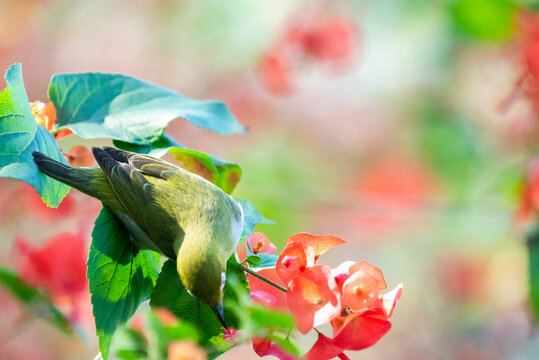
column 251, row 217
column 485, row 19
column 128, row 344
column 171, row 294
column 253, row 259
column 156, row 335
column 222, row 173
column 96, row 105
column 35, row 300
column 265, row 261
column 533, row 258
column 265, row 318
column 20, row 136
column 121, row 276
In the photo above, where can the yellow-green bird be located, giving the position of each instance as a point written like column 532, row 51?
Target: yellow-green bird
column 166, row 209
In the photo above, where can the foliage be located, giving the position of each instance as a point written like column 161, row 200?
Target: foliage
column 20, row 136
column 134, row 114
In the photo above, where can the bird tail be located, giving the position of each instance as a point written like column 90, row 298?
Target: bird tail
column 86, row 180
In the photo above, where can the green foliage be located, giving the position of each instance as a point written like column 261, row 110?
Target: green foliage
column 485, row 19
column 222, row 173
column 96, row 105
column 20, row 135
column 169, row 293
column 533, row 258
column 251, row 217
column 121, row 276
column 261, row 261
column 450, row 148
column 33, row 300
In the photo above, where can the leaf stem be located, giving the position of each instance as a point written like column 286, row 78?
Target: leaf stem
column 266, row 280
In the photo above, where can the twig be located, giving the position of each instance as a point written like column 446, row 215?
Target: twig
column 266, row 280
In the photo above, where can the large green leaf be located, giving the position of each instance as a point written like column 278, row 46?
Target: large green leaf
column 222, row 173
column 20, row 136
column 251, row 217
column 96, row 105
column 33, row 299
column 171, row 294
column 121, row 276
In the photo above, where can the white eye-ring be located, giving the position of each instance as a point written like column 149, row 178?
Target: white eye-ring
column 223, row 281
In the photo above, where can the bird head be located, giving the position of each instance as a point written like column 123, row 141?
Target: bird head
column 205, row 279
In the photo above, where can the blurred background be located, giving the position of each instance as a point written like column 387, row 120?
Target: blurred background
column 403, row 127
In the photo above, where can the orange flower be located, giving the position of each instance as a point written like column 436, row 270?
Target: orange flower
column 529, row 205
column 45, row 114
column 79, row 156
column 301, row 252
column 185, row 350
column 357, row 330
column 313, row 298
column 361, row 288
column 264, row 347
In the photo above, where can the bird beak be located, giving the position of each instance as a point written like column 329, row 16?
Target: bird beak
column 218, row 310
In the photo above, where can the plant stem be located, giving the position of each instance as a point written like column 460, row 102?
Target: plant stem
column 266, row 280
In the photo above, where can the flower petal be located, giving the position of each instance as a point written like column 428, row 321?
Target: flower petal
column 313, row 298
column 390, row 300
column 294, row 259
column 323, row 349
column 360, row 330
column 369, row 270
column 360, row 291
column 264, row 347
column 320, row 243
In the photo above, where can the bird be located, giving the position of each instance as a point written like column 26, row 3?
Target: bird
column 166, row 209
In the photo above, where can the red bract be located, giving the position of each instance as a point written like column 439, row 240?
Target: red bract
column 264, row 347
column 259, row 243
column 231, row 335
column 357, row 330
column 332, row 40
column 301, row 252
column 361, row 288
column 529, row 205
column 313, row 298
column 33, row 204
column 258, row 286
column 276, row 73
column 59, row 266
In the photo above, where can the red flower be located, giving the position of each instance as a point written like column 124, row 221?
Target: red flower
column 264, row 347
column 529, row 205
column 259, row 243
column 258, row 286
column 313, row 298
column 331, row 40
column 357, row 330
column 301, row 252
column 276, row 72
column 231, row 335
column 361, row 288
column 59, row 266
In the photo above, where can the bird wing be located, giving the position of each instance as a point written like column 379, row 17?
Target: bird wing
column 130, row 176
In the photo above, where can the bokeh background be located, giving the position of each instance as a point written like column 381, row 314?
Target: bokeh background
column 403, row 127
